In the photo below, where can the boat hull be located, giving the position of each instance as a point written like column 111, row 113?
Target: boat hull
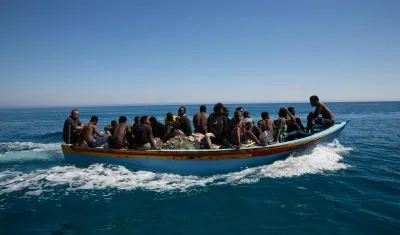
column 198, row 162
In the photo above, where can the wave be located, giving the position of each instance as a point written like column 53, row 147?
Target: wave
column 323, row 158
column 22, row 151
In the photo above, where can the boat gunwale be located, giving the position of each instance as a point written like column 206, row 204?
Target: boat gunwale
column 307, row 140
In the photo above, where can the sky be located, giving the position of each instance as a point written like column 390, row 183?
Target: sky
column 95, row 52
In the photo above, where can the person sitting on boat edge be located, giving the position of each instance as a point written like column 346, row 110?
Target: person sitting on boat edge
column 72, row 128
column 200, row 120
column 327, row 120
column 217, row 127
column 121, row 134
column 92, row 136
column 299, row 124
column 144, row 139
column 157, row 127
column 238, row 134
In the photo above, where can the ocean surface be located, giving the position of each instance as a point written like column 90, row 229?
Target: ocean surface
column 349, row 186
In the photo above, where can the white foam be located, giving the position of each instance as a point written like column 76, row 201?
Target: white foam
column 98, row 176
column 21, row 151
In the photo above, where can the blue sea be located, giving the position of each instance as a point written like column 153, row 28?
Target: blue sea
column 348, row 186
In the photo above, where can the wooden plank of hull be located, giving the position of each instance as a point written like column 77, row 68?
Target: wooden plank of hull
column 205, row 161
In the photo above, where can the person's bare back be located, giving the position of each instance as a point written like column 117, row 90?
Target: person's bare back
column 200, row 122
column 87, row 133
column 325, row 111
column 120, row 132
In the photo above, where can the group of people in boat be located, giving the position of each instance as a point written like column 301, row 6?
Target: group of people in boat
column 216, row 128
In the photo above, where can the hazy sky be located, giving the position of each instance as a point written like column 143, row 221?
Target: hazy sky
column 96, row 52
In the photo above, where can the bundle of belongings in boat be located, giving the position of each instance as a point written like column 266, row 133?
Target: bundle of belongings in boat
column 211, row 131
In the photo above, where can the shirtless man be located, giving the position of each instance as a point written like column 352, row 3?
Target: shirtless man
column 238, row 132
column 266, row 124
column 327, row 119
column 121, row 133
column 200, row 121
column 89, row 132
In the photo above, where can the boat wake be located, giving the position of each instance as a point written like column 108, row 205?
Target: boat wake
column 26, row 151
column 323, row 158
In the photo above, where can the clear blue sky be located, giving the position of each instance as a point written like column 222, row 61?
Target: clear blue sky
column 133, row 52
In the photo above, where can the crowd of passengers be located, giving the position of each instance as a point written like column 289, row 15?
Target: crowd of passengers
column 217, row 128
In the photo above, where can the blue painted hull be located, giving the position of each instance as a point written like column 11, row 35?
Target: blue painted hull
column 200, row 167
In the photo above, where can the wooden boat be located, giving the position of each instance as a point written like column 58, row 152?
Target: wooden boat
column 199, row 161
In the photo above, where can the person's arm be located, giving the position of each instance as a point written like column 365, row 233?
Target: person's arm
column 75, row 126
column 108, row 128
column 238, row 135
column 98, row 132
column 298, row 121
column 203, row 124
column 278, row 131
column 292, row 119
column 188, row 127
column 209, row 124
column 151, row 138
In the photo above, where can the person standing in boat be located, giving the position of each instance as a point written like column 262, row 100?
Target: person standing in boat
column 217, row 126
column 200, row 121
column 144, row 139
column 157, row 127
column 122, row 134
column 72, row 128
column 92, row 136
column 327, row 120
column 238, row 134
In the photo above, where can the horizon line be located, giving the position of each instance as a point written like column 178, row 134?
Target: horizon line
column 182, row 104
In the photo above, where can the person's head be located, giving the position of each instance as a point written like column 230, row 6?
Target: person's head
column 170, row 117
column 265, row 115
column 314, row 100
column 144, row 120
column 282, row 112
column 113, row 123
column 203, row 109
column 292, row 111
column 122, row 119
column 181, row 111
column 225, row 111
column 153, row 120
column 246, row 114
column 237, row 115
column 75, row 114
column 137, row 119
column 240, row 109
column 94, row 120
column 218, row 109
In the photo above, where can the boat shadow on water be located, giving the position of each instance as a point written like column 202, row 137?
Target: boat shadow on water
column 201, row 161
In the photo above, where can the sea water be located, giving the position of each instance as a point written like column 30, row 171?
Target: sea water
column 348, row 186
